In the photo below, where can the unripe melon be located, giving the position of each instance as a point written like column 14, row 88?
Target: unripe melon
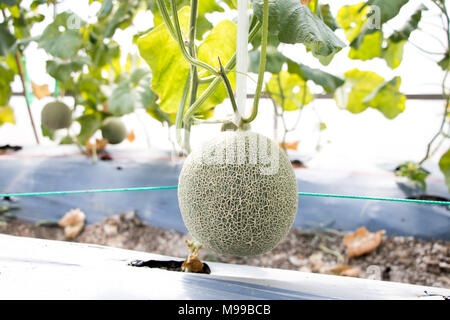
column 114, row 130
column 56, row 115
column 237, row 194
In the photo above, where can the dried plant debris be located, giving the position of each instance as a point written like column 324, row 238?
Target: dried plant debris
column 73, row 223
column 345, row 270
column 100, row 146
column 362, row 241
column 40, row 91
column 399, row 259
column 192, row 262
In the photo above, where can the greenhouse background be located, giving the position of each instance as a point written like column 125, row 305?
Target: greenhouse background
column 335, row 152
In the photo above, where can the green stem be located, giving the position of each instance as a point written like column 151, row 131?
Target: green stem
column 225, row 79
column 262, row 63
column 165, row 15
column 181, row 107
column 179, row 37
column 215, row 83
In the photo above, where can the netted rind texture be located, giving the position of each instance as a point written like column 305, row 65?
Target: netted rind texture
column 114, row 131
column 56, row 115
column 238, row 194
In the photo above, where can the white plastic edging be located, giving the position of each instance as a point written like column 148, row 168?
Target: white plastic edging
column 45, row 269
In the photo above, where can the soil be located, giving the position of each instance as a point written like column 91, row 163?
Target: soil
column 400, row 259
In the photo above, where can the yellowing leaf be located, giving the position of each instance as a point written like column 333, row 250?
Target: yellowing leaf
column 369, row 48
column 293, row 94
column 362, row 241
column 387, row 98
column 6, row 115
column 289, row 145
column 351, row 19
column 40, row 91
column 170, row 70
column 358, row 85
column 393, row 53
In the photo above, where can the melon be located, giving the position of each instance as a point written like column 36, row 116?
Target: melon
column 56, row 115
column 237, row 194
column 114, row 130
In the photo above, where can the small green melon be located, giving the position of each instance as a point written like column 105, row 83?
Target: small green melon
column 56, row 115
column 114, row 130
column 237, row 194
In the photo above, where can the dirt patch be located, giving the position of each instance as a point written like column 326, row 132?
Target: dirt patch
column 400, row 259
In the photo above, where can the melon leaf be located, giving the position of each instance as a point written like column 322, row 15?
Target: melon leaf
column 294, row 22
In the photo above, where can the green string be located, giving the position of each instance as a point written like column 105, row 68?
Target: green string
column 47, row 193
column 28, row 89
column 56, row 89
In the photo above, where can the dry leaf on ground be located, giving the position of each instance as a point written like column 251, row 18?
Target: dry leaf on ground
column 131, row 136
column 100, row 145
column 40, row 91
column 73, row 223
column 316, row 261
column 362, row 241
column 345, row 270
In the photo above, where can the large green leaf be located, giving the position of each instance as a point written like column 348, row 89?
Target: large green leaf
column 393, row 52
column 377, row 13
column 119, row 17
column 63, row 37
column 358, row 85
column 388, row 8
column 170, row 69
column 409, row 26
column 6, row 39
column 444, row 165
column 204, row 7
column 327, row 16
column 90, row 123
column 123, row 99
column 294, row 22
column 134, row 92
column 387, row 98
column 324, row 79
column 293, row 94
column 6, row 115
column 62, row 69
column 414, row 172
column 274, row 60
column 90, row 91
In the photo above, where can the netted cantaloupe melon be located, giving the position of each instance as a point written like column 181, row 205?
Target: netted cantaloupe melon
column 238, row 194
column 56, row 115
column 114, row 130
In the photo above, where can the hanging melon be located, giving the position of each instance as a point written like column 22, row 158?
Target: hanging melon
column 238, row 194
column 56, row 115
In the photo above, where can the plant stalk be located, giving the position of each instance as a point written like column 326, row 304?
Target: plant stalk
column 22, row 78
column 215, row 83
column 262, row 64
column 179, row 37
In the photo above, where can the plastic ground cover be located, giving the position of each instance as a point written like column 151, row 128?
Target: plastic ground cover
column 27, row 171
column 46, row 269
